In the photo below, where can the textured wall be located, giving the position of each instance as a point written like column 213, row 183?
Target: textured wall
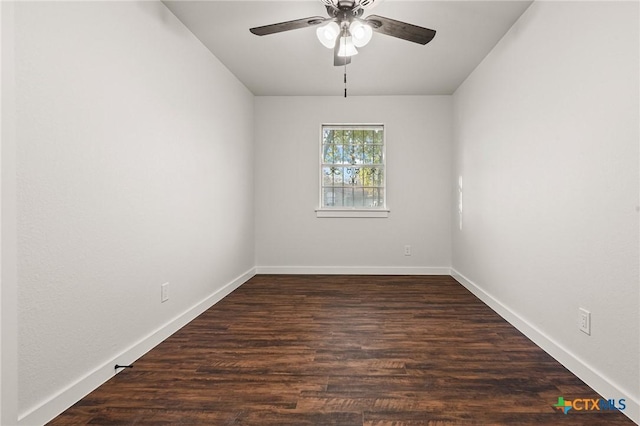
column 8, row 286
column 546, row 134
column 418, row 136
column 134, row 168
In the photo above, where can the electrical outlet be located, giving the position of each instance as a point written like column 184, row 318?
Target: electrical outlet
column 585, row 321
column 164, row 292
column 407, row 250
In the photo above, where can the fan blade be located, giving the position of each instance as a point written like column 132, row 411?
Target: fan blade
column 288, row 26
column 339, row 61
column 399, row 29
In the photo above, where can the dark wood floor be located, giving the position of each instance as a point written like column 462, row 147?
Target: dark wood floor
column 343, row 350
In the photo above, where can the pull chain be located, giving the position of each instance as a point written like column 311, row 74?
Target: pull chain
column 345, row 81
column 345, row 68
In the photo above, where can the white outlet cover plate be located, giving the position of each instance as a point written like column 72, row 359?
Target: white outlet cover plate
column 164, row 292
column 585, row 321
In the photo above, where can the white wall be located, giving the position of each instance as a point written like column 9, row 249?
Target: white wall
column 289, row 236
column 546, row 139
column 135, row 168
column 8, row 280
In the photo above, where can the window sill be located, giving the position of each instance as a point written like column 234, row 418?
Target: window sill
column 352, row 213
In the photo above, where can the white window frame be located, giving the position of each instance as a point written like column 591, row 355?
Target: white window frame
column 352, row 212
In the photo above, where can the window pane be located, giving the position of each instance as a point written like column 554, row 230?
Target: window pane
column 333, row 197
column 328, row 197
column 378, row 137
column 328, row 176
column 348, row 157
column 328, row 153
column 379, row 178
column 340, row 177
column 376, row 154
column 368, row 151
column 339, row 197
column 335, row 136
column 351, row 176
column 370, row 195
column 339, row 153
column 327, row 136
column 358, row 137
column 358, row 141
column 348, row 137
column 368, row 136
column 358, row 197
column 348, row 197
column 372, row 176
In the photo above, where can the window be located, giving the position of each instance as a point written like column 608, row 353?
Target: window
column 352, row 171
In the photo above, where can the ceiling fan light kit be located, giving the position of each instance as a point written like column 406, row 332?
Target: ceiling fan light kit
column 357, row 34
column 361, row 33
column 347, row 48
column 327, row 34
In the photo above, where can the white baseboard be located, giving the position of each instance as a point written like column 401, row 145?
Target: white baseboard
column 586, row 373
column 354, row 270
column 82, row 387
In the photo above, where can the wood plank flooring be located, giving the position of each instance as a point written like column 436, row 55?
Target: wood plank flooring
column 343, row 350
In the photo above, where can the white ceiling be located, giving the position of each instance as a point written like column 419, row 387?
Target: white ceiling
column 295, row 63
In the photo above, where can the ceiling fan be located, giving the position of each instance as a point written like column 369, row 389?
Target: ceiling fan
column 345, row 30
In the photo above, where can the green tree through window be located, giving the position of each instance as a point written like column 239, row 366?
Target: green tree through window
column 353, row 167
